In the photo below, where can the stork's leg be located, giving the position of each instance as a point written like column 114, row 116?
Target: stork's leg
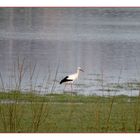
column 71, row 87
column 65, row 87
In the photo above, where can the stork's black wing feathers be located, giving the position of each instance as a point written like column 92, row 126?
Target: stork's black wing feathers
column 65, row 80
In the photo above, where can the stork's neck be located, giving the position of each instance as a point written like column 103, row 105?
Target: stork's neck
column 78, row 71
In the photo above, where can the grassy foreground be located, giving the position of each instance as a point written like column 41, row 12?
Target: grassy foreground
column 65, row 113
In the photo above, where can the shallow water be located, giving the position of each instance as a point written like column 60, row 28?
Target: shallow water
column 105, row 42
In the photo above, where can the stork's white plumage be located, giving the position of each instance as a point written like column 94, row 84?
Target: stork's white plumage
column 71, row 78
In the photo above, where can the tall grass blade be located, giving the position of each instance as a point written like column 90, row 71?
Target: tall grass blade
column 3, row 87
column 53, row 86
column 112, row 101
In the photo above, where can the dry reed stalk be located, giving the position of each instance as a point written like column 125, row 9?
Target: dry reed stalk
column 112, row 101
column 3, row 118
column 3, row 87
column 21, row 73
column 32, row 71
column 53, row 86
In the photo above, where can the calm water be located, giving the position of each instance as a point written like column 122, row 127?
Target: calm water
column 105, row 42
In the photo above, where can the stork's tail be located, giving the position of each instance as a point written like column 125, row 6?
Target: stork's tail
column 65, row 80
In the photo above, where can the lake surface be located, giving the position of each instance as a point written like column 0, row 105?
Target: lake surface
column 105, row 42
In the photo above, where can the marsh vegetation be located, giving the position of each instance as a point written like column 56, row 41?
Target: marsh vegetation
column 20, row 112
column 32, row 111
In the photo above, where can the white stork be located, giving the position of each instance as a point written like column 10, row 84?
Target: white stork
column 71, row 78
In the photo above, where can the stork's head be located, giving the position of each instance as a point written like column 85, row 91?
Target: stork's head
column 79, row 68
